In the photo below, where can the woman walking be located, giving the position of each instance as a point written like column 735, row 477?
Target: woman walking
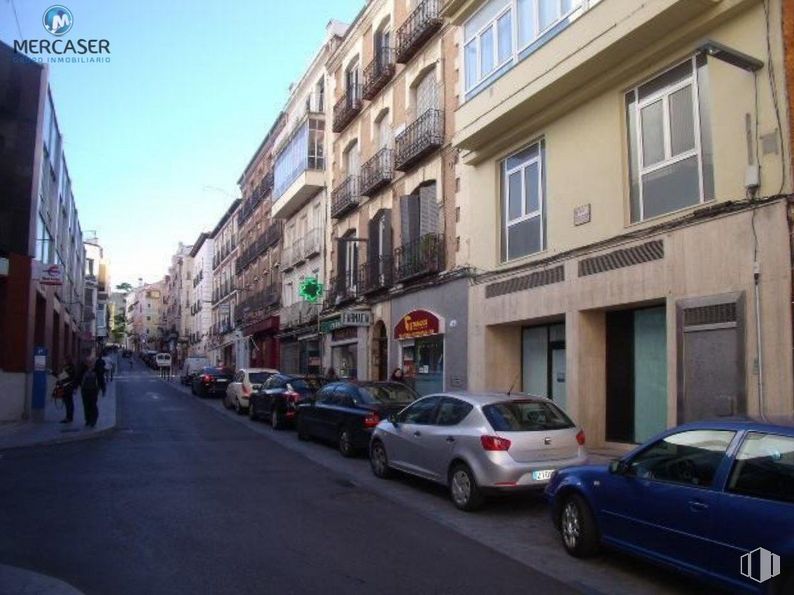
column 89, row 391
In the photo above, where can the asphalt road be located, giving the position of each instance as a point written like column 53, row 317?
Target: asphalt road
column 182, row 499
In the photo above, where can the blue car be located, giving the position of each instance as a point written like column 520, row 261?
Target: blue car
column 712, row 499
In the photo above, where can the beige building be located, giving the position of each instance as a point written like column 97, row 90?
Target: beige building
column 300, row 199
column 221, row 341
column 623, row 200
column 392, row 242
column 177, row 317
column 146, row 316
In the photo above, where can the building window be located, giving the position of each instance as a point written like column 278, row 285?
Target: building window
column 670, row 157
column 503, row 31
column 305, row 150
column 523, row 203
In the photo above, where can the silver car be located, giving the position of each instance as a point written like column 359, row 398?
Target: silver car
column 478, row 443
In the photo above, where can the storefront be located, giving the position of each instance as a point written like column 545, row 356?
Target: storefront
column 345, row 336
column 430, row 343
column 543, row 370
column 300, row 354
column 264, row 346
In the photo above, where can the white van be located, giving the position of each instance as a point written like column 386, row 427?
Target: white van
column 163, row 360
column 191, row 366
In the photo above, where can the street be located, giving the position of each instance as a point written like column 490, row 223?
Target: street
column 188, row 498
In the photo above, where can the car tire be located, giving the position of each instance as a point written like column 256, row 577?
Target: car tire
column 379, row 460
column 275, row 419
column 252, row 412
column 238, row 409
column 463, row 488
column 301, row 429
column 345, row 442
column 578, row 528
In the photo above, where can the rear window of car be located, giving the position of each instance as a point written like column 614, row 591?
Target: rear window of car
column 259, row 377
column 386, row 394
column 526, row 416
column 764, row 467
column 304, row 384
column 217, row 371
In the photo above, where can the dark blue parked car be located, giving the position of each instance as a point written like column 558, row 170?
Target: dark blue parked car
column 699, row 498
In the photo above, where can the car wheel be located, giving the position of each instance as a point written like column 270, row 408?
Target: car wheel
column 275, row 419
column 379, row 461
column 463, row 488
column 346, row 443
column 252, row 412
column 578, row 528
column 238, row 409
column 301, row 428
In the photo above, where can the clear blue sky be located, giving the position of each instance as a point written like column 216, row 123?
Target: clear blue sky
column 191, row 89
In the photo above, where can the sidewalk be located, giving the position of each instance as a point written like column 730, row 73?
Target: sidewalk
column 50, row 431
column 18, row 581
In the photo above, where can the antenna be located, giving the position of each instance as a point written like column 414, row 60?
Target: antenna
column 513, row 385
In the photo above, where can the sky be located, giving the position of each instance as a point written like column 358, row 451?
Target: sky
column 156, row 140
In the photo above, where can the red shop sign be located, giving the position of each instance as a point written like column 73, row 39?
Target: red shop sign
column 418, row 323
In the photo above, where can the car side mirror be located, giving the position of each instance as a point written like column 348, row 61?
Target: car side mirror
column 618, row 467
column 393, row 419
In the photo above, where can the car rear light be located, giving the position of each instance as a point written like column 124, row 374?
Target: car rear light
column 292, row 396
column 372, row 420
column 494, row 443
column 206, row 378
column 580, row 437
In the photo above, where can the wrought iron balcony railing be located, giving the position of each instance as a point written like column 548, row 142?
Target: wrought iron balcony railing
column 420, row 138
column 376, row 275
column 347, row 108
column 297, row 251
column 341, row 289
column 420, row 26
column 422, row 256
column 345, row 196
column 266, row 239
column 287, row 260
column 378, row 72
column 377, row 172
column 263, row 302
column 312, row 242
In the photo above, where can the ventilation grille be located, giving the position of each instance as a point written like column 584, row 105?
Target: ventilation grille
column 619, row 259
column 716, row 314
column 536, row 279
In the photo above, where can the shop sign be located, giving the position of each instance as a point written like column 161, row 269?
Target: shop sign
column 418, row 323
column 344, row 334
column 355, row 318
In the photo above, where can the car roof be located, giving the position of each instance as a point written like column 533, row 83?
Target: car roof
column 774, row 423
column 489, row 397
column 268, row 370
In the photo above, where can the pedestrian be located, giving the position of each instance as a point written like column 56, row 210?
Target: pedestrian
column 99, row 369
column 67, row 385
column 330, row 375
column 110, row 366
column 89, row 391
column 397, row 375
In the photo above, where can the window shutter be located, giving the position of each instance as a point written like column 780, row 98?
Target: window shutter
column 386, row 248
column 405, row 218
column 372, row 236
column 340, row 262
column 428, row 210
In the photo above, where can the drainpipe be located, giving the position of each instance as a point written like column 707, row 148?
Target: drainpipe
column 759, row 339
column 790, row 217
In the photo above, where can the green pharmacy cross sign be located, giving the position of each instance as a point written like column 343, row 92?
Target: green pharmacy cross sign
column 311, row 290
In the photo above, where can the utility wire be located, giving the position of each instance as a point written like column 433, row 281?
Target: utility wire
column 16, row 18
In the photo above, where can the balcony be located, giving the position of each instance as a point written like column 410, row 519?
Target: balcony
column 377, row 172
column 261, row 302
column 298, row 314
column 423, row 136
column 312, row 243
column 266, row 239
column 419, row 257
column 262, row 191
column 340, row 290
column 297, row 251
column 287, row 260
column 376, row 275
column 347, row 108
column 345, row 197
column 420, row 26
column 378, row 73
column 300, row 167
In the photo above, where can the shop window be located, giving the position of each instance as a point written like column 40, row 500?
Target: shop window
column 543, row 368
column 344, row 360
column 670, row 156
column 523, row 203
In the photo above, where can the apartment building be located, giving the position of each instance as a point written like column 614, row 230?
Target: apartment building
column 258, row 280
column 97, row 292
column 146, row 315
column 116, row 307
column 396, row 296
column 177, row 317
column 623, row 197
column 222, row 338
column 201, row 255
column 41, row 242
column 300, row 199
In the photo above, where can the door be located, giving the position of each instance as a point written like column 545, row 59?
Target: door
column 427, row 93
column 663, row 504
column 756, row 509
column 408, row 441
column 558, row 390
column 429, row 365
column 441, row 437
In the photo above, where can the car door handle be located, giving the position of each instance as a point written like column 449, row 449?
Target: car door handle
column 450, row 439
column 697, row 506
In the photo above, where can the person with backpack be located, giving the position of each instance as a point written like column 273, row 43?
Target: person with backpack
column 89, row 391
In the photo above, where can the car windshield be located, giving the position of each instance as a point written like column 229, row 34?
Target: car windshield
column 305, row 384
column 526, row 416
column 258, row 377
column 386, row 394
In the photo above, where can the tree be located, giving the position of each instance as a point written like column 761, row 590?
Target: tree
column 124, row 287
column 119, row 327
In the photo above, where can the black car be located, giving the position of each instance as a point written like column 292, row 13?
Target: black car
column 211, row 382
column 280, row 396
column 345, row 413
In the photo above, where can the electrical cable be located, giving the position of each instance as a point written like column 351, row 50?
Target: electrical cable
column 16, row 18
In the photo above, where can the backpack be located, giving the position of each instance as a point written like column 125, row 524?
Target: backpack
column 89, row 382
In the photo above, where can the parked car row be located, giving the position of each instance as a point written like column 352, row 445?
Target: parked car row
column 714, row 500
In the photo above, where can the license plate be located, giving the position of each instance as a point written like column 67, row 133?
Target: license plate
column 221, row 381
column 542, row 475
